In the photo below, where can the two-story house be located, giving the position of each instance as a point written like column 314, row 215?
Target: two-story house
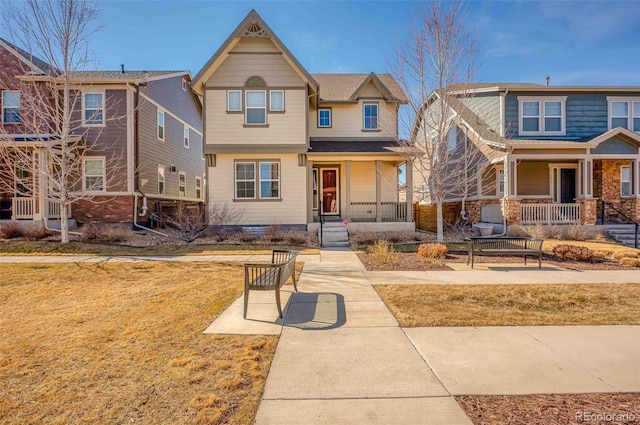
column 556, row 152
column 285, row 146
column 144, row 129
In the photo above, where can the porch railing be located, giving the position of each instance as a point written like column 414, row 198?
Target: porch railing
column 22, row 208
column 54, row 210
column 568, row 213
column 368, row 211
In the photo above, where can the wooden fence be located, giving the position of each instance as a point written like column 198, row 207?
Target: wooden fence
column 425, row 215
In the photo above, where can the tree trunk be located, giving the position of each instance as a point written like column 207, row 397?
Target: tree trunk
column 64, row 223
column 439, row 222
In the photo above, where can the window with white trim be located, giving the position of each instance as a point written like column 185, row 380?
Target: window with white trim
column 499, row 181
column 11, row 107
column 324, row 117
column 234, row 100
column 624, row 112
column 540, row 116
column 186, row 136
column 452, row 137
column 269, row 180
column 160, row 125
column 625, row 180
column 160, row 179
column 370, row 113
column 255, row 107
column 245, row 180
column 276, row 100
column 184, row 84
column 198, row 187
column 93, row 174
column 93, row 109
column 182, row 184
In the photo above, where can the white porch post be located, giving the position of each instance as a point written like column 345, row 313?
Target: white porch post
column 514, row 164
column 409, row 189
column 507, row 177
column 309, row 191
column 378, row 191
column 588, row 178
column 347, row 172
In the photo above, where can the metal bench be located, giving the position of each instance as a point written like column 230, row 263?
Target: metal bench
column 270, row 277
column 526, row 247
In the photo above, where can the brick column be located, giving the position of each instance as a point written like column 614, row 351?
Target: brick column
column 511, row 210
column 589, row 211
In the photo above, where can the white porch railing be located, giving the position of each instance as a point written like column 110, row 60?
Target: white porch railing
column 54, row 210
column 550, row 213
column 367, row 211
column 22, row 208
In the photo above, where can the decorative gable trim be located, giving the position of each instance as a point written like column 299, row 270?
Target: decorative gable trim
column 622, row 133
column 373, row 78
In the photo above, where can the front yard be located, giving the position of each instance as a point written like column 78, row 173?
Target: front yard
column 123, row 343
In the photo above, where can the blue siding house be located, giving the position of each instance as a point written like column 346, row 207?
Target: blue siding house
column 556, row 152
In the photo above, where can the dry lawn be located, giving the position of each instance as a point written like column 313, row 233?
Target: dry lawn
column 123, row 343
column 512, row 305
column 22, row 247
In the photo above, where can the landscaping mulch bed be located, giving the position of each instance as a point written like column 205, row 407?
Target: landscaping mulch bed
column 411, row 261
column 553, row 409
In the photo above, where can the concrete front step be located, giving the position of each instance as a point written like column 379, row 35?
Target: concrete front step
column 335, row 244
column 334, row 235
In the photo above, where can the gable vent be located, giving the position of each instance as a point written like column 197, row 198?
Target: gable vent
column 255, row 30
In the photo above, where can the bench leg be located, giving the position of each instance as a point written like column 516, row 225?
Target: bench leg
column 293, row 276
column 278, row 301
column 246, row 302
column 539, row 261
column 471, row 260
column 525, row 260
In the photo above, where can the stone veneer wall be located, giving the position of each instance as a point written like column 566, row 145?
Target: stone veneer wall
column 606, row 186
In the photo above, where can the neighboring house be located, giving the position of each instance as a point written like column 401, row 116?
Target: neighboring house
column 286, row 146
column 556, row 152
column 147, row 125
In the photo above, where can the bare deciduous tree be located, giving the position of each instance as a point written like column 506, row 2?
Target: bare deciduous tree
column 435, row 65
column 57, row 32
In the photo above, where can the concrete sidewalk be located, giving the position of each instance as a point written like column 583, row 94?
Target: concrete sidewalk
column 143, row 258
column 342, row 358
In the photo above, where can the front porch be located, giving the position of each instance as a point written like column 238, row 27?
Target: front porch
column 30, row 208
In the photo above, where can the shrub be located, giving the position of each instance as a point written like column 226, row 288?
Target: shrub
column 577, row 232
column 296, row 237
column 365, row 238
column 633, row 262
column 434, row 251
column 103, row 233
column 11, row 230
column 37, row 234
column 383, row 253
column 395, row 237
column 247, row 237
column 573, row 253
column 624, row 254
column 275, row 233
column 538, row 231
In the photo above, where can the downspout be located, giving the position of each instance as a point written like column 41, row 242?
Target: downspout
column 136, row 152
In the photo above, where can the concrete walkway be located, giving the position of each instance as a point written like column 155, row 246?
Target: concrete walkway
column 141, row 258
column 342, row 358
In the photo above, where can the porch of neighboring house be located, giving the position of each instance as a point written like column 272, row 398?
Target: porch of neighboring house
column 565, row 192
column 362, row 191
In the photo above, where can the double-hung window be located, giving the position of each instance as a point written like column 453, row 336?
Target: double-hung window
column 276, row 100
column 186, row 136
column 160, row 125
column 93, row 174
column 324, row 117
column 541, row 116
column 93, row 109
column 234, row 100
column 625, row 180
column 198, row 187
column 624, row 112
column 370, row 116
column 182, row 184
column 255, row 107
column 11, row 107
column 160, row 179
column 257, row 179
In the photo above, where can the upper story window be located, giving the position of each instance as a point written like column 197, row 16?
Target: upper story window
column 186, row 136
column 370, row 116
column 11, row 107
column 624, row 112
column 184, row 84
column 452, row 137
column 93, row 109
column 276, row 100
column 255, row 107
column 234, row 100
column 324, row 117
column 540, row 116
column 93, row 174
column 198, row 187
column 160, row 125
column 160, row 179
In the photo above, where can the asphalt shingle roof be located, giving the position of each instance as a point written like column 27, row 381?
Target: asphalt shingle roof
column 355, row 146
column 340, row 87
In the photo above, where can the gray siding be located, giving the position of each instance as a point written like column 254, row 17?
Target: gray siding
column 586, row 114
column 615, row 146
column 171, row 151
column 170, row 95
column 487, row 107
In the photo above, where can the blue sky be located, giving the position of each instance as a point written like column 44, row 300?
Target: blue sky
column 573, row 42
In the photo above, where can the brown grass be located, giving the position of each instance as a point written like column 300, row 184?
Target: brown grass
column 604, row 249
column 512, row 305
column 123, row 343
column 11, row 247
